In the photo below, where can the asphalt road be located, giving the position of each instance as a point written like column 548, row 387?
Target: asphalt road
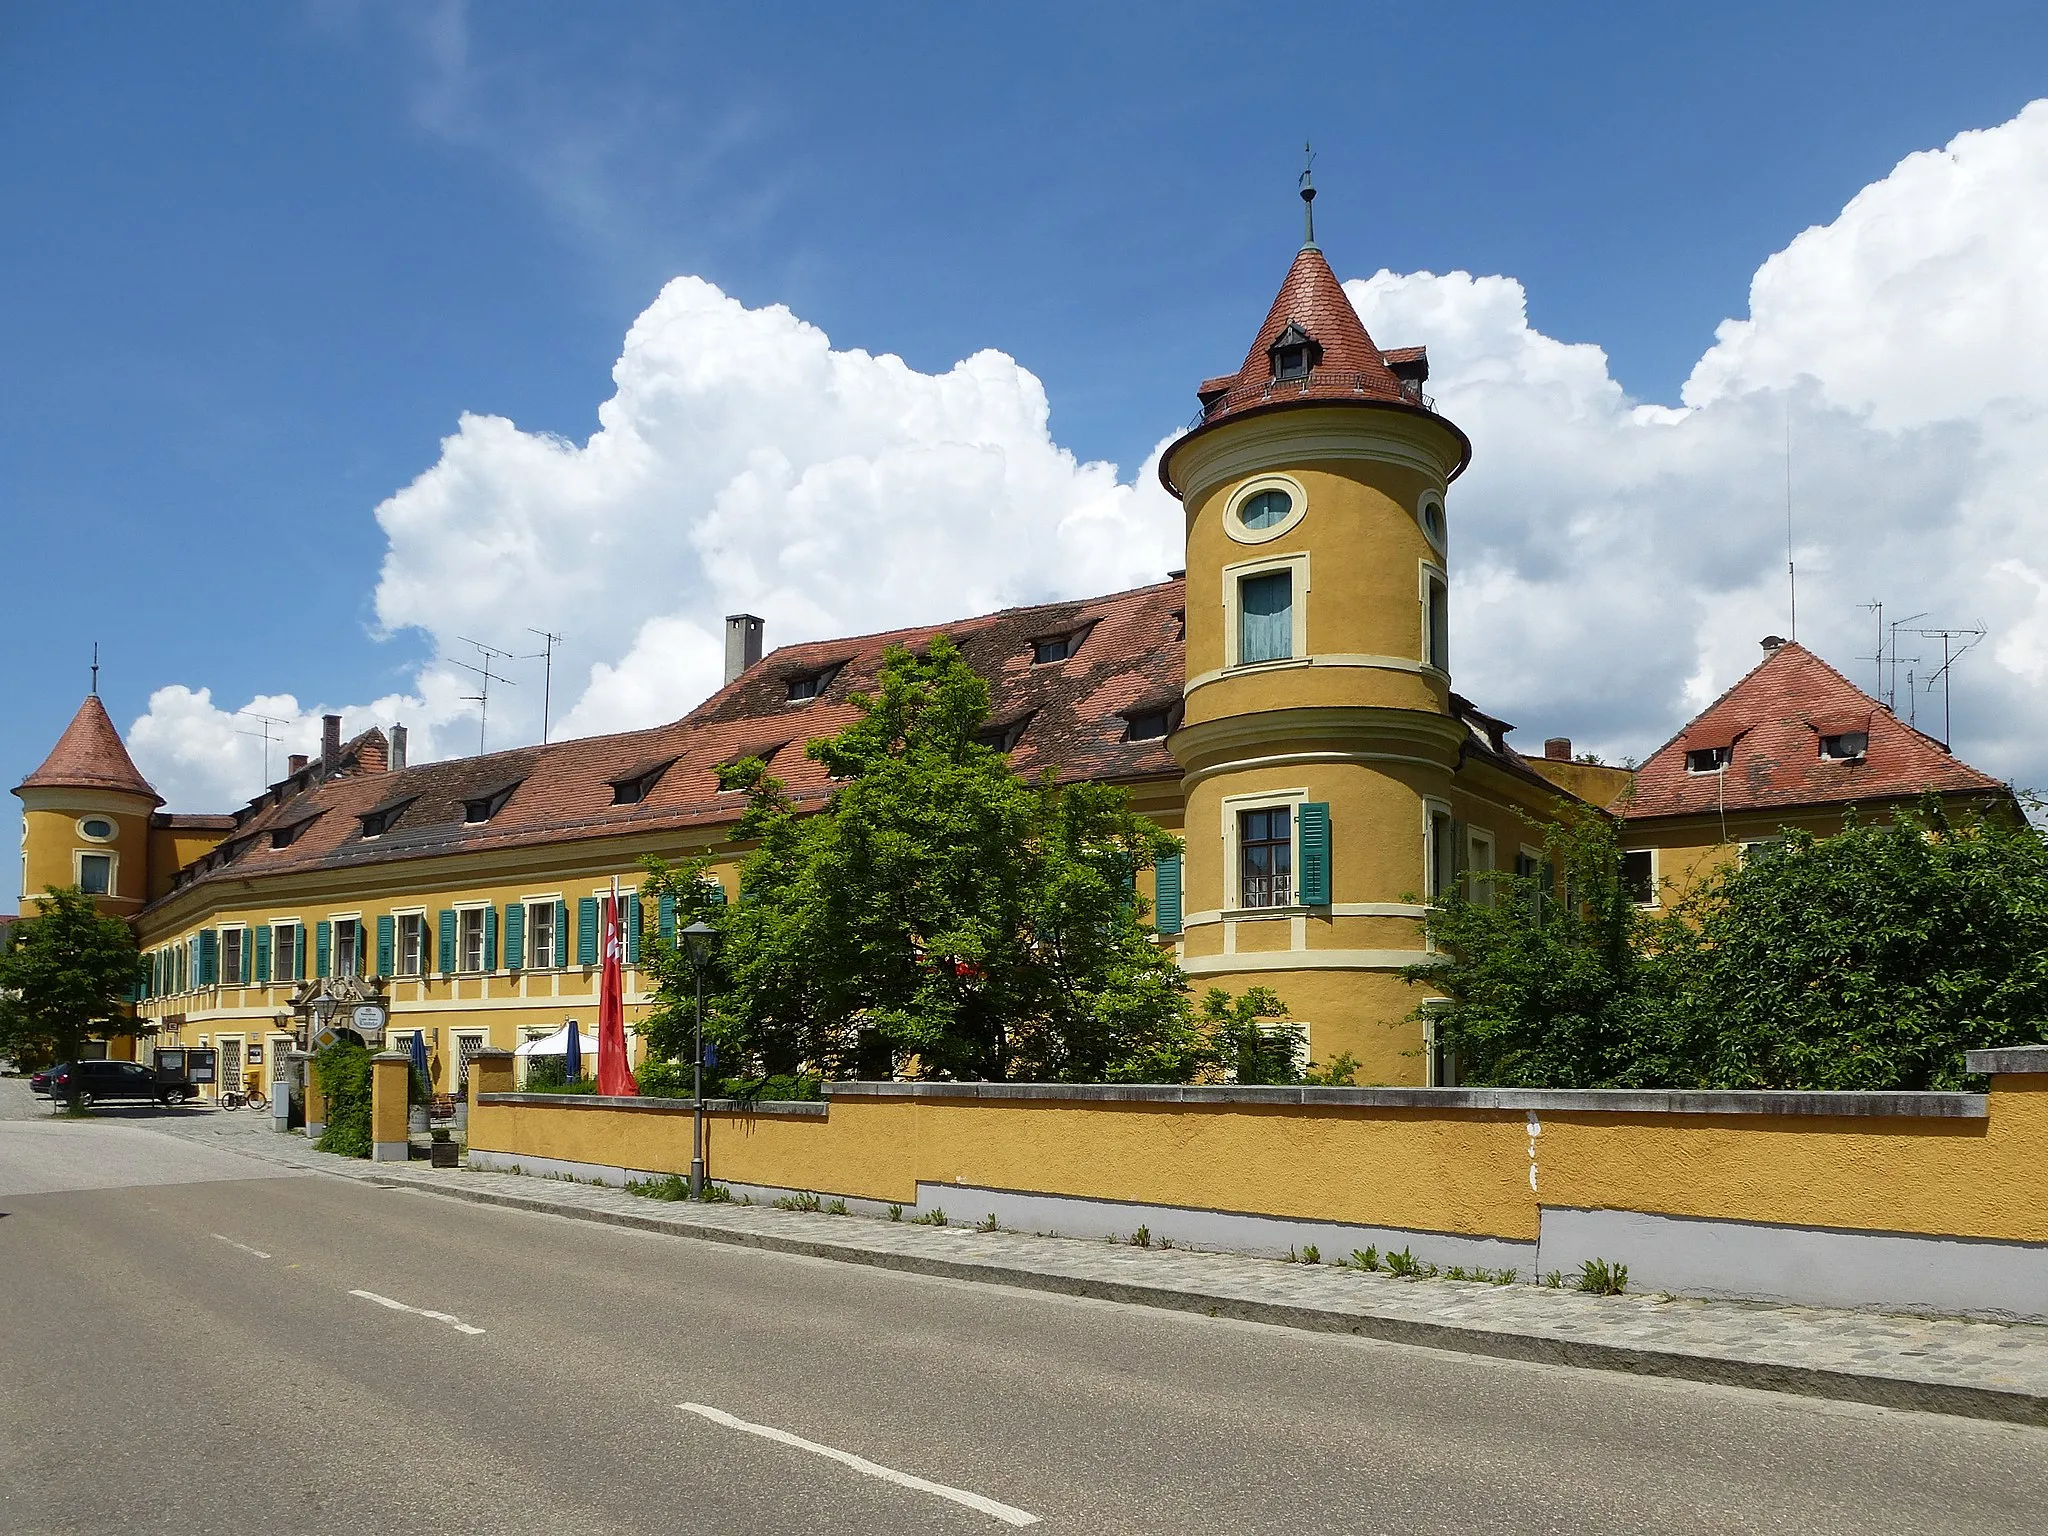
column 182, row 1349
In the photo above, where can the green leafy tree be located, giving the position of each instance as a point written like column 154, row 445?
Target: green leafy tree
column 1870, row 959
column 1540, row 974
column 939, row 908
column 65, row 976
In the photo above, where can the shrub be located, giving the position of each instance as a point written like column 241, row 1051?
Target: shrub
column 344, row 1073
column 663, row 1079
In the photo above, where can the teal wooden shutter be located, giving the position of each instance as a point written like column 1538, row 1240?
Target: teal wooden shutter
column 490, row 938
column 263, row 953
column 447, row 927
column 209, row 957
column 665, row 915
column 714, row 893
column 515, row 936
column 1312, row 823
column 387, row 945
column 633, row 921
column 586, row 930
column 561, row 935
column 323, row 948
column 1166, row 898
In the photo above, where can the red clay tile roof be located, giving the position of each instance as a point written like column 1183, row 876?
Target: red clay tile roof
column 1348, row 365
column 1773, row 720
column 1129, row 661
column 89, row 755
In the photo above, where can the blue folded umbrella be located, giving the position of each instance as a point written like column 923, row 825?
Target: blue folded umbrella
column 572, row 1062
column 419, row 1055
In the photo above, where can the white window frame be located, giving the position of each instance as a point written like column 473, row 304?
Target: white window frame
column 552, row 905
column 280, row 952
column 460, row 1063
column 1430, row 575
column 463, row 912
column 248, row 955
column 1234, row 508
column 1728, row 757
column 1440, row 540
column 1656, row 877
column 113, row 858
column 360, row 954
column 1431, row 1050
column 399, row 918
column 102, row 842
column 1476, row 889
column 1234, row 576
column 1233, row 872
column 1434, row 889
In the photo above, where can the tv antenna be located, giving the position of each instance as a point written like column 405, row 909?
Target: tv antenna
column 1951, row 653
column 485, row 677
column 265, row 722
column 546, row 656
column 1891, row 699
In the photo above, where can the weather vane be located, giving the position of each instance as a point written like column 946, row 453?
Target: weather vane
column 1308, row 195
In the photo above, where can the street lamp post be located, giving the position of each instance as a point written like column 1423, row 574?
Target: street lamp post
column 698, row 939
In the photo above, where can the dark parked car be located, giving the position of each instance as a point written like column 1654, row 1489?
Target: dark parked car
column 39, row 1082
column 102, row 1082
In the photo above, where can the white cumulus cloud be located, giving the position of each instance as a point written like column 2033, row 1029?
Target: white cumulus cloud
column 1615, row 561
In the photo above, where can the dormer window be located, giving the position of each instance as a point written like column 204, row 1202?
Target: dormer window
column 1294, row 353
column 1004, row 738
column 1708, row 759
column 1147, row 724
column 381, row 819
column 639, row 784
column 285, row 836
column 1845, row 747
column 809, row 685
column 1058, row 647
column 477, row 809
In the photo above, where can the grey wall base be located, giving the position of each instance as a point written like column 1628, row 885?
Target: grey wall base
column 1228, row 1231
column 315, row 1129
column 1806, row 1266
column 390, row 1151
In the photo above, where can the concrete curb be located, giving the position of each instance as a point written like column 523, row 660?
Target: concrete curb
column 1957, row 1400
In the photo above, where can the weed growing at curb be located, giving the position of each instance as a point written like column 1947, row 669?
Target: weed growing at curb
column 1311, row 1254
column 802, row 1201
column 1142, row 1238
column 837, row 1208
column 895, row 1213
column 987, row 1223
column 1366, row 1259
column 1554, row 1280
column 1597, row 1277
column 935, row 1217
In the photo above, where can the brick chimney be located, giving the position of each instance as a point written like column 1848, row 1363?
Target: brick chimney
column 374, row 754
column 742, row 643
column 295, row 764
column 1558, row 748
column 397, row 748
column 330, row 744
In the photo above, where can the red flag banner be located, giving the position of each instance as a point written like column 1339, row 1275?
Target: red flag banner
column 613, row 1074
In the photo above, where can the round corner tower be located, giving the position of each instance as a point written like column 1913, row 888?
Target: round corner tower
column 86, row 818
column 1318, row 739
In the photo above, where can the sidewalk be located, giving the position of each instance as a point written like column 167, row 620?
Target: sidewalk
column 1975, row 1369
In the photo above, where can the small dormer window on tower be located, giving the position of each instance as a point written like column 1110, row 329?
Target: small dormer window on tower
column 1294, row 353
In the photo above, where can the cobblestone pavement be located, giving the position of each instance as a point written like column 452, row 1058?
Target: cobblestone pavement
column 1979, row 1369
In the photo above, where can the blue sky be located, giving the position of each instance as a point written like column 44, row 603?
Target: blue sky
column 258, row 260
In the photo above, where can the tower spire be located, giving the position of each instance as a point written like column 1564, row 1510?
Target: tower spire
column 95, row 669
column 1306, row 182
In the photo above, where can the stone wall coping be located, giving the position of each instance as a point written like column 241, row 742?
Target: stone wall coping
column 1621, row 1101
column 2010, row 1058
column 635, row 1101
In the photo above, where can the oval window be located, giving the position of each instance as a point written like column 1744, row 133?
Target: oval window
column 1268, row 509
column 96, row 828
column 1433, row 521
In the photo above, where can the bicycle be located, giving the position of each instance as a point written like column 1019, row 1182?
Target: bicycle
column 237, row 1098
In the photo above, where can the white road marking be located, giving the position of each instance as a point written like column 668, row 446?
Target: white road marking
column 398, row 1306
column 1009, row 1514
column 254, row 1253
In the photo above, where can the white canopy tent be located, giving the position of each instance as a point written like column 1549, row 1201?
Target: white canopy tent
column 557, row 1044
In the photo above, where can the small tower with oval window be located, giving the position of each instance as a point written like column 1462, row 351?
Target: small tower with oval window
column 1327, row 764
column 86, row 818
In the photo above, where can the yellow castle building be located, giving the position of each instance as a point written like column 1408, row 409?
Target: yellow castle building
column 1284, row 704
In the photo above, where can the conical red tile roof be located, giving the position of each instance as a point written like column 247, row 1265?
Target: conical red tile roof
column 90, row 755
column 1773, row 720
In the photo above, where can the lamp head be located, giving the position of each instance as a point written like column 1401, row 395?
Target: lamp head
column 700, row 939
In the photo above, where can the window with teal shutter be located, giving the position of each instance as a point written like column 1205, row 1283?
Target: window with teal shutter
column 490, row 938
column 1166, row 894
column 1312, row 827
column 445, row 927
column 586, row 930
column 1265, row 618
column 387, row 946
column 298, row 952
column 515, row 936
column 263, row 953
column 633, row 921
column 323, row 948
column 562, row 935
column 665, row 916
column 714, row 893
column 209, row 958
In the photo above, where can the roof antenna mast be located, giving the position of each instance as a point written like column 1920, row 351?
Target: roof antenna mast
column 546, row 656
column 1308, row 198
column 1791, row 570
column 482, row 697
